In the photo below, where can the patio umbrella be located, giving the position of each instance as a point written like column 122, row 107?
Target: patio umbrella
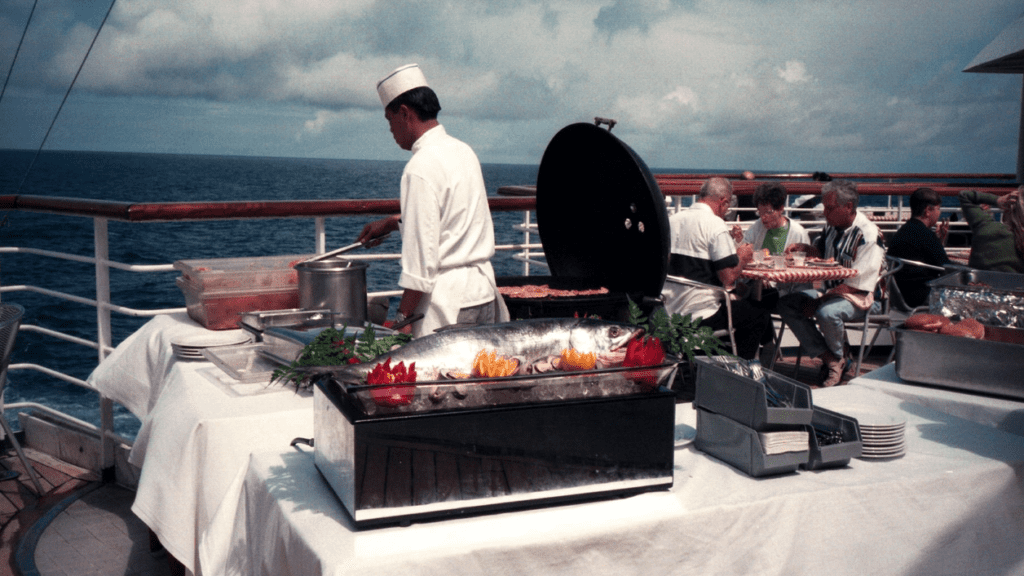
column 1005, row 55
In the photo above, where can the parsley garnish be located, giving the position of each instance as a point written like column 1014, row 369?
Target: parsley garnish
column 680, row 335
column 333, row 348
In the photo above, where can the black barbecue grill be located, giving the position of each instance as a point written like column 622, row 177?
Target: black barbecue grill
column 602, row 221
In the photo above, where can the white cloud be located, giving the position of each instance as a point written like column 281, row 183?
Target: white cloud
column 794, row 72
column 734, row 77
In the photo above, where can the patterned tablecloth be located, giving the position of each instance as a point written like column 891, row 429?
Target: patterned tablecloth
column 802, row 274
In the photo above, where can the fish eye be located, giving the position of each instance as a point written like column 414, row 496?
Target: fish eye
column 615, row 331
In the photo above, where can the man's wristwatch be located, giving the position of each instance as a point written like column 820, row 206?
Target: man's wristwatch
column 400, row 317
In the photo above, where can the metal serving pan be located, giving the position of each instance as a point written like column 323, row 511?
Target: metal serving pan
column 297, row 318
column 990, row 366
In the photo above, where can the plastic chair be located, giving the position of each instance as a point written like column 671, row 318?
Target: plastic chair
column 724, row 294
column 10, row 321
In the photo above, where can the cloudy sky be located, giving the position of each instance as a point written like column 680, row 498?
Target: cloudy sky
column 831, row 85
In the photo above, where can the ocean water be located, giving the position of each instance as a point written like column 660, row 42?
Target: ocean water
column 172, row 178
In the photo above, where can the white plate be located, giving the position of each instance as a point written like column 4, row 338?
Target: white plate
column 200, row 341
column 881, row 439
column 869, row 430
column 821, row 264
column 891, row 453
column 873, row 419
column 889, row 444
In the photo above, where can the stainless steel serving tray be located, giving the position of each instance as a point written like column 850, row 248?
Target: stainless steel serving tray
column 296, row 318
column 991, row 366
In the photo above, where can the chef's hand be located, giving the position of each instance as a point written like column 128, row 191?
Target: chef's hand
column 373, row 233
column 736, row 232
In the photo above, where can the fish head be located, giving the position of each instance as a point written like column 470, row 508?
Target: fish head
column 601, row 336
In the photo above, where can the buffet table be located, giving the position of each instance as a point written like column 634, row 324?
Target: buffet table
column 226, row 494
column 198, row 428
column 1005, row 414
column 953, row 505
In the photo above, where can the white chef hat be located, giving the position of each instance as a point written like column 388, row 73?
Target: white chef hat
column 399, row 81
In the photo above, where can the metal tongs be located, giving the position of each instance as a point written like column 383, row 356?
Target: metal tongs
column 342, row 250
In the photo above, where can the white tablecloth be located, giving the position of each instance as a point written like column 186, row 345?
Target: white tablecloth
column 953, row 505
column 135, row 372
column 216, row 468
column 1004, row 414
column 198, row 429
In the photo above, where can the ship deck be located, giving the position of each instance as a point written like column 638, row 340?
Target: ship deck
column 82, row 527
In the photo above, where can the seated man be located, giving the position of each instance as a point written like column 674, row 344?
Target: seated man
column 703, row 250
column 916, row 241
column 855, row 242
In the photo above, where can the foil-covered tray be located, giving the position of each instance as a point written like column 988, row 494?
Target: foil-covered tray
column 989, row 366
column 992, row 298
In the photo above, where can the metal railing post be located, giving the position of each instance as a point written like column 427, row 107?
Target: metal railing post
column 526, row 241
column 321, row 235
column 101, row 251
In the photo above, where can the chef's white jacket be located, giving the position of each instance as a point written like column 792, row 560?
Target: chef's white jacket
column 447, row 231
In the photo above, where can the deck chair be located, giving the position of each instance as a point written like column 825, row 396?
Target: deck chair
column 10, row 321
column 883, row 320
column 729, row 332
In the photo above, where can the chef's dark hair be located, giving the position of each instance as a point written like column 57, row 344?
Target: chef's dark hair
column 921, row 199
column 422, row 101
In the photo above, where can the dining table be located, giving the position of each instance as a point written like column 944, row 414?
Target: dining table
column 791, row 277
column 791, row 274
column 227, row 492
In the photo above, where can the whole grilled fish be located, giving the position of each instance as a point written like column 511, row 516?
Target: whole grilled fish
column 527, row 340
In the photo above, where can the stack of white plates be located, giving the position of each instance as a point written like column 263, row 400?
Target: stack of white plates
column 883, row 435
column 191, row 347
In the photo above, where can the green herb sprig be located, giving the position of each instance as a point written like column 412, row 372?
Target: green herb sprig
column 680, row 335
column 332, row 347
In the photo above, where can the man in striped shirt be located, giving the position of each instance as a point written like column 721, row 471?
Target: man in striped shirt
column 854, row 242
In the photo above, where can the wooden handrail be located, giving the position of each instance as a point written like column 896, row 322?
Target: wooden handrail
column 192, row 211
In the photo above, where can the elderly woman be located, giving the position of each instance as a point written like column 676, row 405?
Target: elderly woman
column 773, row 230
column 997, row 246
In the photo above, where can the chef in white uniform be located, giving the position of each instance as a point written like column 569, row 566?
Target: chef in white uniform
column 446, row 227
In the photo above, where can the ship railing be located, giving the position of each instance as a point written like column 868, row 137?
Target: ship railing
column 677, row 189
column 528, row 253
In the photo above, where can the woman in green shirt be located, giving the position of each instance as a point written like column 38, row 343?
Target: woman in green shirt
column 773, row 230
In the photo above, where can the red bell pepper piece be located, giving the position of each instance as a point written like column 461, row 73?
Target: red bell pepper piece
column 645, row 351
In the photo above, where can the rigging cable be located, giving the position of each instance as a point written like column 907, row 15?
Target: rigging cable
column 3, row 221
column 18, row 49
column 66, row 94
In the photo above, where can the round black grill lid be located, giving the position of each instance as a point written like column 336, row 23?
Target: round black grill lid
column 600, row 213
